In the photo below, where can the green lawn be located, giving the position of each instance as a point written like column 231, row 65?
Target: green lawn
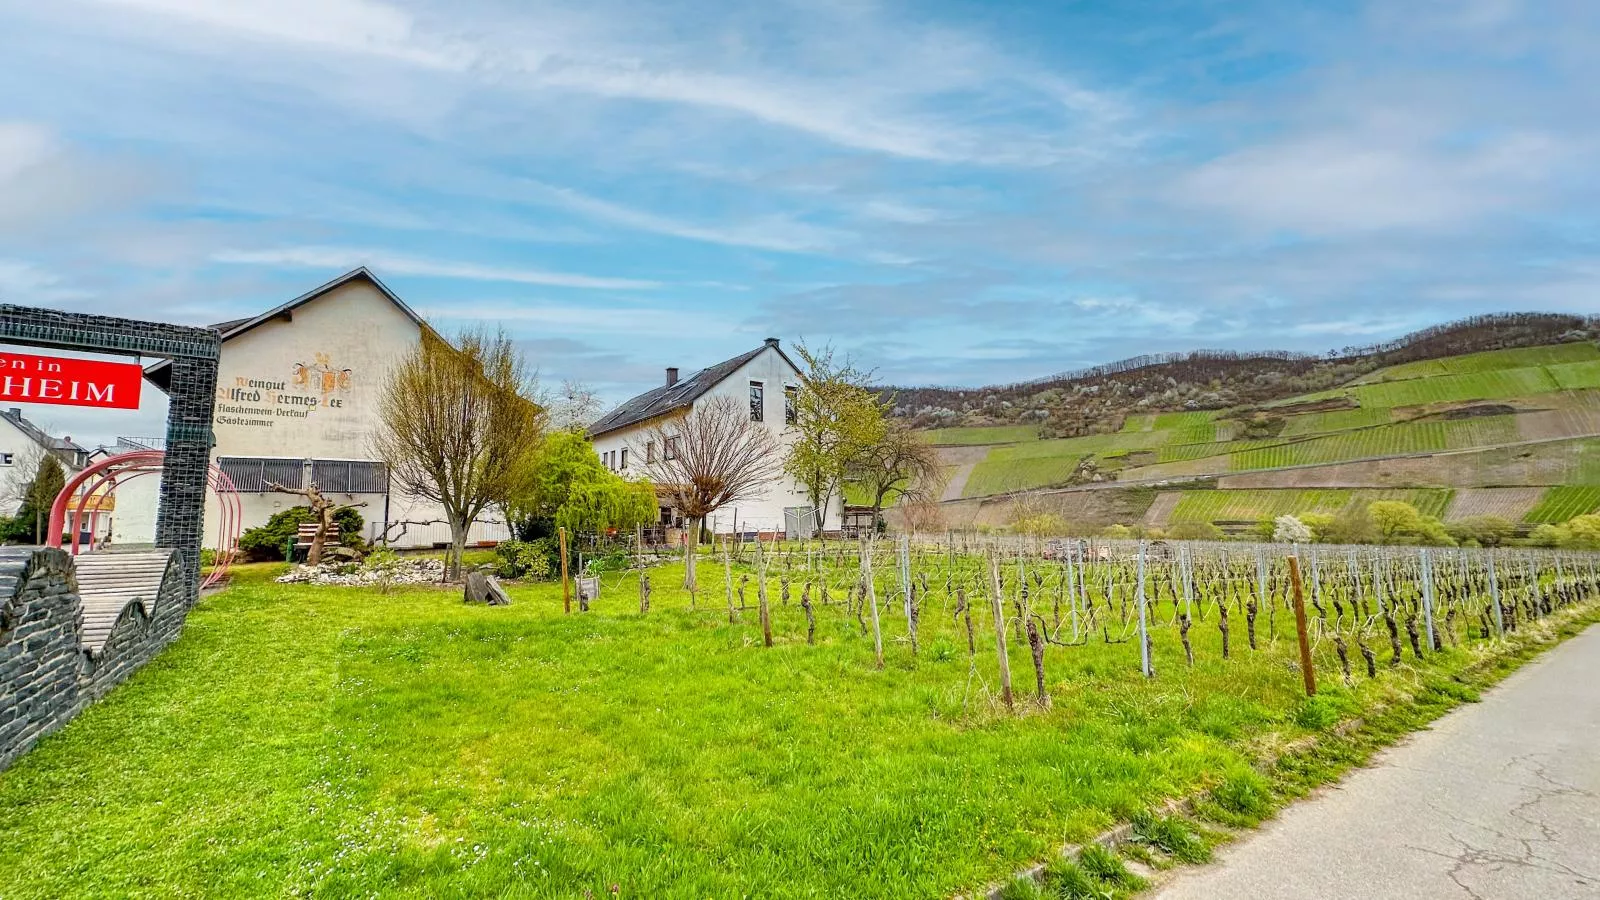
column 1188, row 427
column 1492, row 385
column 1489, row 361
column 985, row 434
column 1577, row 376
column 1051, row 462
column 334, row 742
column 1558, row 504
column 1003, row 475
column 1336, row 420
column 1384, row 440
column 1257, row 505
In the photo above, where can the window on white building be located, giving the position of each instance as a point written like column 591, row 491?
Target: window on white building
column 758, row 403
column 649, row 452
column 624, row 457
column 791, row 396
column 6, row 459
column 670, row 450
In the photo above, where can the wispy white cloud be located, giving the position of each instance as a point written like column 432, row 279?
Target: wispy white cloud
column 1384, row 176
column 23, row 145
column 1363, row 327
column 26, row 283
column 338, row 258
column 544, row 317
column 352, row 26
column 769, row 233
column 44, row 182
column 857, row 78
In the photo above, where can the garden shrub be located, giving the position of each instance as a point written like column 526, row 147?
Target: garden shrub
column 273, row 540
column 1195, row 531
column 615, row 559
column 537, row 559
column 385, row 566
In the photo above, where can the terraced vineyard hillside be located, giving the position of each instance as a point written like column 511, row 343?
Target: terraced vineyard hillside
column 1514, row 433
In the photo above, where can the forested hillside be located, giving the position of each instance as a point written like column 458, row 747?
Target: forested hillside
column 1098, row 400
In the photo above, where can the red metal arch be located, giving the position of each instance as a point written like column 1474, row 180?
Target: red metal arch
column 124, row 467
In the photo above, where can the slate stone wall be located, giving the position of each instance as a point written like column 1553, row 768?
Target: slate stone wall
column 46, row 678
column 191, row 397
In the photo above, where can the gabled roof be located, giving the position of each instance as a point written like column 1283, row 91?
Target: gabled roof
column 61, row 447
column 668, row 398
column 160, row 374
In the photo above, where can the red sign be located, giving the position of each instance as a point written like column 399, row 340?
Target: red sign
column 25, row 378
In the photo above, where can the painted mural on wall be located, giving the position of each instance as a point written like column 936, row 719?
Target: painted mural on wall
column 263, row 402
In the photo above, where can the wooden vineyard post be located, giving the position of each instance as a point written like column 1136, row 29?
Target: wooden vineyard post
column 727, row 573
column 1306, row 670
column 872, row 599
column 644, row 577
column 1427, row 598
column 905, row 588
column 999, row 613
column 566, row 586
column 1072, row 590
column 1144, row 634
column 761, row 593
column 1494, row 597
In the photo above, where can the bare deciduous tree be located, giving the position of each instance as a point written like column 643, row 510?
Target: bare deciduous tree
column 711, row 457
column 922, row 515
column 459, row 428
column 899, row 463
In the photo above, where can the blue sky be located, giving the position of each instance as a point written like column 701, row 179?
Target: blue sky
column 956, row 192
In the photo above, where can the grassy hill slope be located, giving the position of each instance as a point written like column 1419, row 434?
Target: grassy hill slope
column 1514, row 419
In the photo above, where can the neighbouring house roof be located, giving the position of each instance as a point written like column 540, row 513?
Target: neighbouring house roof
column 65, row 449
column 160, row 373
column 671, row 397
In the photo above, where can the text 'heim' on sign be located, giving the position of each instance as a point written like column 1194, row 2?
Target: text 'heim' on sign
column 25, row 378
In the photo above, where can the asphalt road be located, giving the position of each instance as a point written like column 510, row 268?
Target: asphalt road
column 1500, row 800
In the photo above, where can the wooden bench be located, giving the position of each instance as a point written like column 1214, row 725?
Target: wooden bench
column 109, row 582
column 306, row 533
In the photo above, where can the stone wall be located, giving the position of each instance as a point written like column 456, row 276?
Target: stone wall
column 46, row 678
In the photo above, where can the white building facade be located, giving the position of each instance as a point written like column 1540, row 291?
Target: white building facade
column 298, row 389
column 22, row 444
column 765, row 381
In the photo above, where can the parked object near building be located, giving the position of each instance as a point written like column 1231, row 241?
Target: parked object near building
column 297, row 402
column 764, row 380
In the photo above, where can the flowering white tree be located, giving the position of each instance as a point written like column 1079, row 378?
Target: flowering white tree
column 1287, row 529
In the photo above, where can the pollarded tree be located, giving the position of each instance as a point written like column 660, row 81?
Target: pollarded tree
column 323, row 511
column 836, row 418
column 708, row 458
column 459, row 428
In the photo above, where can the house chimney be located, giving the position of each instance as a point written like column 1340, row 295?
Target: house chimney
column 772, row 342
column 15, row 411
column 672, row 375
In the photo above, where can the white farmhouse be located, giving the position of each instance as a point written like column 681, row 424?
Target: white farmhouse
column 22, row 444
column 768, row 381
column 298, row 391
